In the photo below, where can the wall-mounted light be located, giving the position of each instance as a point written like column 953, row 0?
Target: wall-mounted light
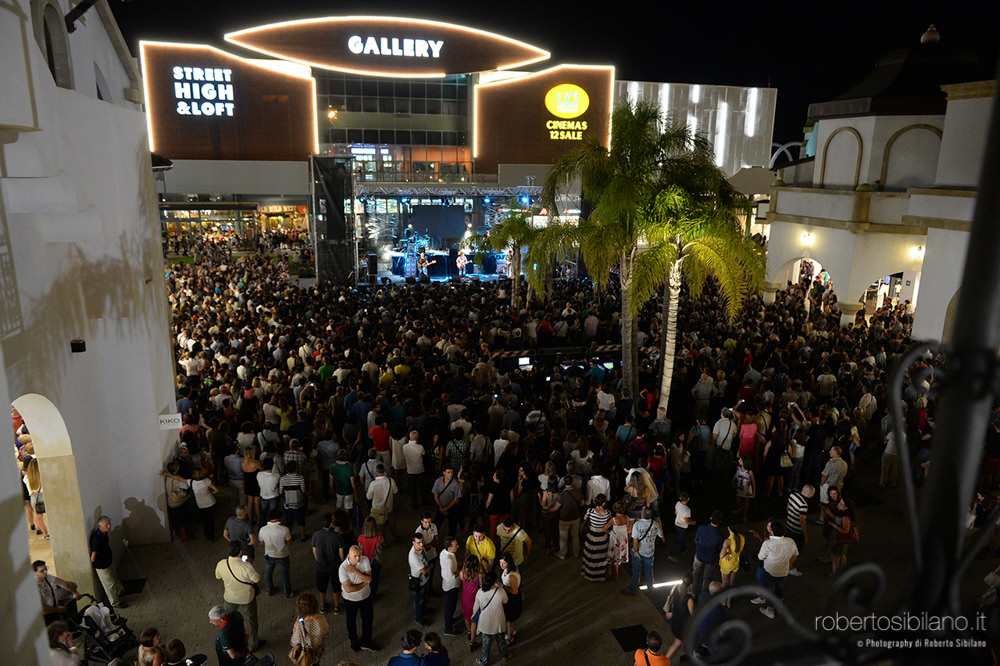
column 807, row 239
column 917, row 252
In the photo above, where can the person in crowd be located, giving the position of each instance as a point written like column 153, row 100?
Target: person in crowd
column 650, row 655
column 356, row 580
column 708, row 549
column 471, row 577
column 513, row 538
column 380, row 494
column 310, row 629
column 678, row 609
column 328, row 550
column 729, row 558
column 293, row 488
column 52, row 609
column 481, row 547
column 644, row 534
column 420, row 578
column 33, row 481
column 795, row 519
column 62, row 650
column 447, row 495
column 745, row 486
column 618, row 541
column 510, row 578
column 239, row 529
column 151, row 651
column 437, row 653
column 277, row 540
column 569, row 507
column 549, row 501
column 451, row 585
column 682, row 525
column 371, row 543
column 204, row 497
column 410, row 643
column 251, row 467
column 492, row 623
column 101, row 559
column 777, row 555
column 231, row 639
column 239, row 579
column 842, row 521
column 594, row 564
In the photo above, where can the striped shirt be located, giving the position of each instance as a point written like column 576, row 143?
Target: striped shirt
column 293, row 486
column 796, row 507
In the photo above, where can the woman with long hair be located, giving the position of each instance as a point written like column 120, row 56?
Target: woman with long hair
column 842, row 520
column 678, row 609
column 510, row 578
column 618, row 543
column 33, row 481
column 594, row 562
column 371, row 542
column 744, row 485
column 150, row 649
column 251, row 488
column 204, row 497
column 310, row 629
column 469, row 575
column 729, row 558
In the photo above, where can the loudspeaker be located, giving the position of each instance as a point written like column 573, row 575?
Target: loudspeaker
column 372, row 267
column 452, row 258
column 411, row 280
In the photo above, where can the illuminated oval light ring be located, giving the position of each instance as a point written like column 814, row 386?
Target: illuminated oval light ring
column 567, row 100
column 387, row 46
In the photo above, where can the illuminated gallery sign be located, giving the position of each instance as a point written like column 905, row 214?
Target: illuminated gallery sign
column 206, row 104
column 388, row 46
column 535, row 118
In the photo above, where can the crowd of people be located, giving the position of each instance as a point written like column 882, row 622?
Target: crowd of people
column 354, row 399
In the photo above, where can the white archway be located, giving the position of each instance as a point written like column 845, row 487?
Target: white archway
column 57, row 466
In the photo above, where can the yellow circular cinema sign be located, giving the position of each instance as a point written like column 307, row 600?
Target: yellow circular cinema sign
column 567, row 100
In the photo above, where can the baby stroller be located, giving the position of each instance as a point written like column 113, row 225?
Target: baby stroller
column 106, row 636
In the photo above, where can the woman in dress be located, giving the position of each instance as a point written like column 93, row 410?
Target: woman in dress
column 204, row 497
column 511, row 580
column 618, row 544
column 744, row 485
column 594, row 562
column 679, row 607
column 178, row 494
column 492, row 623
column 729, row 558
column 251, row 488
column 470, row 585
column 310, row 629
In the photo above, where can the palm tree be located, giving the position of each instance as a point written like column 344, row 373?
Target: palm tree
column 658, row 202
column 511, row 234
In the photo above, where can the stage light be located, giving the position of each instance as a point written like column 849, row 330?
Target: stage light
column 486, row 200
column 525, row 200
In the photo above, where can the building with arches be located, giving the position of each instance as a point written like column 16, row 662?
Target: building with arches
column 84, row 348
column 887, row 191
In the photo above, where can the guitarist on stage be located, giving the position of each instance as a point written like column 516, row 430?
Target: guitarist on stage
column 460, row 263
column 423, row 262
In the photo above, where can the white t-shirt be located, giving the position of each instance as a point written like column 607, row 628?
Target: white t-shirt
column 268, row 482
column 724, row 430
column 365, row 567
column 203, row 496
column 605, row 401
column 414, row 454
column 682, row 513
column 449, row 565
column 429, row 535
column 417, row 561
column 275, row 537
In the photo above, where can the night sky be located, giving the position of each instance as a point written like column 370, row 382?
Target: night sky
column 811, row 51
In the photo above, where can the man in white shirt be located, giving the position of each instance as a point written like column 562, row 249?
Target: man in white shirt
column 451, row 585
column 499, row 446
column 777, row 555
column 722, row 437
column 276, row 539
column 597, row 485
column 413, row 452
column 355, row 580
column 380, row 494
column 429, row 531
column 420, row 577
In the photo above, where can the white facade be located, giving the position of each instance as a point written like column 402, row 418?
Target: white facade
column 79, row 260
column 737, row 121
column 886, row 194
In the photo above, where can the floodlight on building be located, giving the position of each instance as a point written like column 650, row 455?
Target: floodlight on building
column 917, row 252
column 807, row 239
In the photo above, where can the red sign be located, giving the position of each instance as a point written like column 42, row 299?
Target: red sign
column 388, row 46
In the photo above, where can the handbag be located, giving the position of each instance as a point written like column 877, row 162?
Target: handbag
column 850, row 536
column 475, row 617
column 786, row 460
column 300, row 656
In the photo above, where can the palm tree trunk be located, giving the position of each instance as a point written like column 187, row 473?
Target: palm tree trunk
column 515, row 292
column 630, row 336
column 673, row 297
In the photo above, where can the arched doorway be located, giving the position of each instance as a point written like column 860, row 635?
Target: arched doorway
column 801, row 269
column 67, row 551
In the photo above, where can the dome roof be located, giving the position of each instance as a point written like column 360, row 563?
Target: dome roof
column 906, row 81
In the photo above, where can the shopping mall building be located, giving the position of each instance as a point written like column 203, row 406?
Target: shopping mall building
column 386, row 135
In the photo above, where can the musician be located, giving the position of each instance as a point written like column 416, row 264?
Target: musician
column 423, row 262
column 460, row 263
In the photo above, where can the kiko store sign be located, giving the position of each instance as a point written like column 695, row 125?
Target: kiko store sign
column 387, row 46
